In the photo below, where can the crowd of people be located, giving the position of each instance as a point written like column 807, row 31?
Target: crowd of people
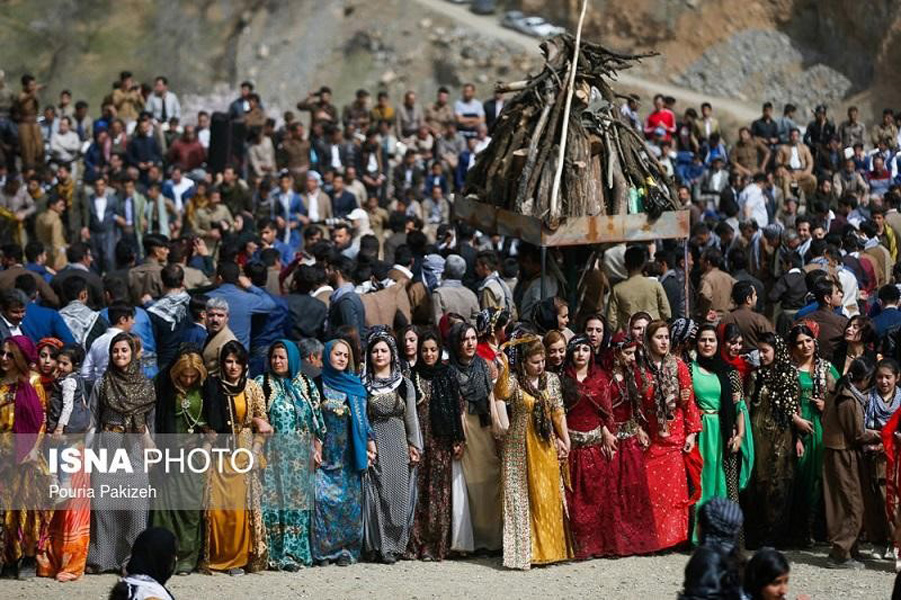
column 448, row 393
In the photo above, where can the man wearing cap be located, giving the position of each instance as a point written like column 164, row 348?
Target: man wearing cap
column 144, row 281
column 452, row 296
column 819, row 131
column 316, row 201
column 319, row 105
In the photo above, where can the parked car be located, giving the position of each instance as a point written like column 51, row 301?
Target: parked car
column 459, row 1
column 538, row 27
column 512, row 19
column 483, row 7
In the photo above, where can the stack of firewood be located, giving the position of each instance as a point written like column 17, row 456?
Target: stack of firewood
column 608, row 169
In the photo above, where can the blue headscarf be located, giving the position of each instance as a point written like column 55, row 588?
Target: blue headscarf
column 293, row 382
column 350, row 384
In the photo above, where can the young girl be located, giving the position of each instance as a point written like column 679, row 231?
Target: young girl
column 884, row 399
column 67, row 410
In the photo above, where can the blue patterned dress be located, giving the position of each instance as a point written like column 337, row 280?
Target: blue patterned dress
column 287, row 502
column 338, row 515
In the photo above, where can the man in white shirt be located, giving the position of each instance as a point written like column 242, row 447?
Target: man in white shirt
column 65, row 145
column 163, row 104
column 122, row 318
column 203, row 129
column 176, row 188
column 752, row 202
column 469, row 112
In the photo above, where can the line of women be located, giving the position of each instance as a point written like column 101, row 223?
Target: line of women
column 426, row 446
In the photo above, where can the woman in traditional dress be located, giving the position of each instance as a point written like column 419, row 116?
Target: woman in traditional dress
column 181, row 410
column 408, row 342
column 589, row 417
column 725, row 448
column 673, row 423
column 774, row 396
column 69, row 413
column 347, row 451
column 48, row 349
column 389, row 487
column 293, row 453
column 884, row 401
column 122, row 403
column 538, row 439
column 817, row 379
column 235, row 539
column 482, row 426
column 555, row 348
column 25, row 475
column 490, row 326
column 439, row 407
column 730, row 344
column 597, row 331
column 631, row 530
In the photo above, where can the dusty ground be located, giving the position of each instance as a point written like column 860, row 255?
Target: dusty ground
column 651, row 578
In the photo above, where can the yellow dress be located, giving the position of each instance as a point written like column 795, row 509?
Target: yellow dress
column 28, row 487
column 534, row 519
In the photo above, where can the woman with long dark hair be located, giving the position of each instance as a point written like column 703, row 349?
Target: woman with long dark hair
column 774, row 396
column 347, row 451
column 293, row 454
column 844, row 436
column 817, row 379
column 482, row 425
column 589, row 417
column 673, row 425
column 724, row 442
column 439, row 406
column 389, row 487
column 408, row 343
column 538, row 439
column 858, row 339
column 180, row 411
column 766, row 575
column 236, row 537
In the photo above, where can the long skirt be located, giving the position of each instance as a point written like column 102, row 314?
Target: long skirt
column 66, row 551
column 229, row 529
column 668, row 490
column 177, row 494
column 430, row 537
column 389, row 493
column 482, row 470
column 591, row 503
column 633, row 530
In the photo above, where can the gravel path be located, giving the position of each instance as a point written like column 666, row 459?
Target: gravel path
column 649, row 578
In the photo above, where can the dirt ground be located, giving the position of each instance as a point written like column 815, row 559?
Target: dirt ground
column 644, row 578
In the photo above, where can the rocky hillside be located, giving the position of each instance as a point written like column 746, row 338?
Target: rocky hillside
column 802, row 51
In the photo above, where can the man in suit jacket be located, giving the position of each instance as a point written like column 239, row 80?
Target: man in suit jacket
column 829, row 297
column 99, row 207
column 493, row 109
column 12, row 312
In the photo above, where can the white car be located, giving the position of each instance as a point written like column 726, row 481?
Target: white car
column 538, row 27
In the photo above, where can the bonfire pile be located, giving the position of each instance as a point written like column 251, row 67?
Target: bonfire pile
column 608, row 169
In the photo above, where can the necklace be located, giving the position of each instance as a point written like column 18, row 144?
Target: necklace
column 190, row 420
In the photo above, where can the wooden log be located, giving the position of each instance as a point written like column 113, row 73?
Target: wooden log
column 524, row 189
column 512, row 86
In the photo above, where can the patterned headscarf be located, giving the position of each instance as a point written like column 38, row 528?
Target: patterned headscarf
column 28, row 413
column 488, row 319
column 721, row 520
column 667, row 392
column 780, row 379
column 378, row 385
column 125, row 389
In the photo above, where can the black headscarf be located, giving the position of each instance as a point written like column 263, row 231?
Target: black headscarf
column 444, row 398
column 472, row 377
column 153, row 554
column 728, row 376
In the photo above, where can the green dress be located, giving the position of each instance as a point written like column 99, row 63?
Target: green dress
column 720, row 477
column 178, row 491
column 809, row 478
column 294, row 413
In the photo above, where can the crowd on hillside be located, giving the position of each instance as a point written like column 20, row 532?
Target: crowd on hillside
column 225, row 272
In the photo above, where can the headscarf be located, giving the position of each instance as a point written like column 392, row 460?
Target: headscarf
column 541, row 412
column 682, row 331
column 28, row 413
column 721, row 520
column 127, row 391
column 878, row 412
column 488, row 318
column 444, row 392
column 48, row 342
column 382, row 385
column 544, row 315
column 153, row 554
column 573, row 389
column 289, row 381
column 736, row 362
column 349, row 384
column 724, row 372
column 667, row 390
column 472, row 376
column 781, row 381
